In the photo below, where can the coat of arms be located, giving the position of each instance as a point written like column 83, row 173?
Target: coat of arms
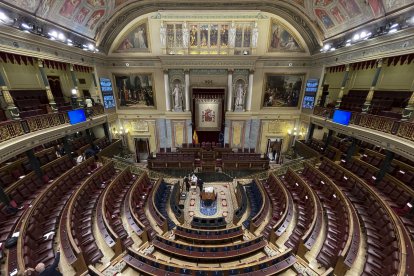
column 208, row 115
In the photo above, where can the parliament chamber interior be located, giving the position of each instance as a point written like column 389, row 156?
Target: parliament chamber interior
column 207, row 138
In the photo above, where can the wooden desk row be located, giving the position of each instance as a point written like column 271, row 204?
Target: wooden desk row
column 265, row 267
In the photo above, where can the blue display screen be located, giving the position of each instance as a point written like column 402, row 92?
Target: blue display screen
column 308, row 102
column 311, row 86
column 76, row 116
column 341, row 117
column 107, row 92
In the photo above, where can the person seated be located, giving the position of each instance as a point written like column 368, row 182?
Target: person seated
column 79, row 159
column 51, row 270
column 97, row 162
column 89, row 153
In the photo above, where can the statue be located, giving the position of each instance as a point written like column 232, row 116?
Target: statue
column 186, row 35
column 238, row 104
column 163, row 35
column 232, row 35
column 255, row 35
column 178, row 98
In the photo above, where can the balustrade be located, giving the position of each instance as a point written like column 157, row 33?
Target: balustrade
column 380, row 123
column 13, row 129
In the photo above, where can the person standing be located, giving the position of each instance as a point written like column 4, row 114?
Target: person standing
column 187, row 183
column 275, row 147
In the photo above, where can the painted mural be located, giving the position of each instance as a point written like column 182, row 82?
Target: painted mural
column 282, row 90
column 136, row 40
column 86, row 16
column 134, row 91
column 282, row 40
column 336, row 16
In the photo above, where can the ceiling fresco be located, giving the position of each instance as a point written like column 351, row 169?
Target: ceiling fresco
column 86, row 16
column 337, row 16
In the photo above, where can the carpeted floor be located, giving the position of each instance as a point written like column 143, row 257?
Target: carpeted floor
column 210, row 210
column 224, row 202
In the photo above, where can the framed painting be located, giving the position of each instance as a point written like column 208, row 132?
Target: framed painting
column 282, row 90
column 135, row 90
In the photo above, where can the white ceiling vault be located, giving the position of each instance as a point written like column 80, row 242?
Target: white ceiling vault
column 316, row 20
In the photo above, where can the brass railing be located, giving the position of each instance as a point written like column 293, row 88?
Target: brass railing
column 13, row 129
column 406, row 130
column 375, row 122
column 10, row 130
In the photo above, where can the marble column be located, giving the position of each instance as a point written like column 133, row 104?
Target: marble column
column 187, row 90
column 250, row 92
column 167, row 91
column 49, row 93
column 12, row 112
column 368, row 99
column 76, row 101
column 310, row 131
column 320, row 88
column 341, row 92
column 108, row 133
column 229, row 89
column 328, row 139
column 34, row 162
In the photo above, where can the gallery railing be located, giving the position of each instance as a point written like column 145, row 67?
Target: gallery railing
column 404, row 129
column 13, row 129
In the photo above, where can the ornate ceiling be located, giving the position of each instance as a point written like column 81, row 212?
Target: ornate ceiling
column 96, row 19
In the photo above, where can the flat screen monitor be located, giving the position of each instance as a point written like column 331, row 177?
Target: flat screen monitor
column 311, row 86
column 308, row 101
column 76, row 116
column 341, row 117
column 107, row 93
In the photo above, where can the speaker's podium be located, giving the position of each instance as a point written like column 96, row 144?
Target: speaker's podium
column 208, row 195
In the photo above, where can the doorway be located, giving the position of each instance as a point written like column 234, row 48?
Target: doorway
column 142, row 149
column 274, row 149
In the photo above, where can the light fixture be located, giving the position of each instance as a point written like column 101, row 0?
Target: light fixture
column 332, row 49
column 26, row 26
column 69, row 42
column 74, row 91
column 409, row 205
column 3, row 17
column 363, row 34
column 53, row 34
column 326, row 47
column 348, row 44
column 392, row 30
column 355, row 37
column 91, row 47
column 61, row 37
column 368, row 35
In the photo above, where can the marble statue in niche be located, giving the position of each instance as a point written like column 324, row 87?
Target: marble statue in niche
column 178, row 97
column 240, row 93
